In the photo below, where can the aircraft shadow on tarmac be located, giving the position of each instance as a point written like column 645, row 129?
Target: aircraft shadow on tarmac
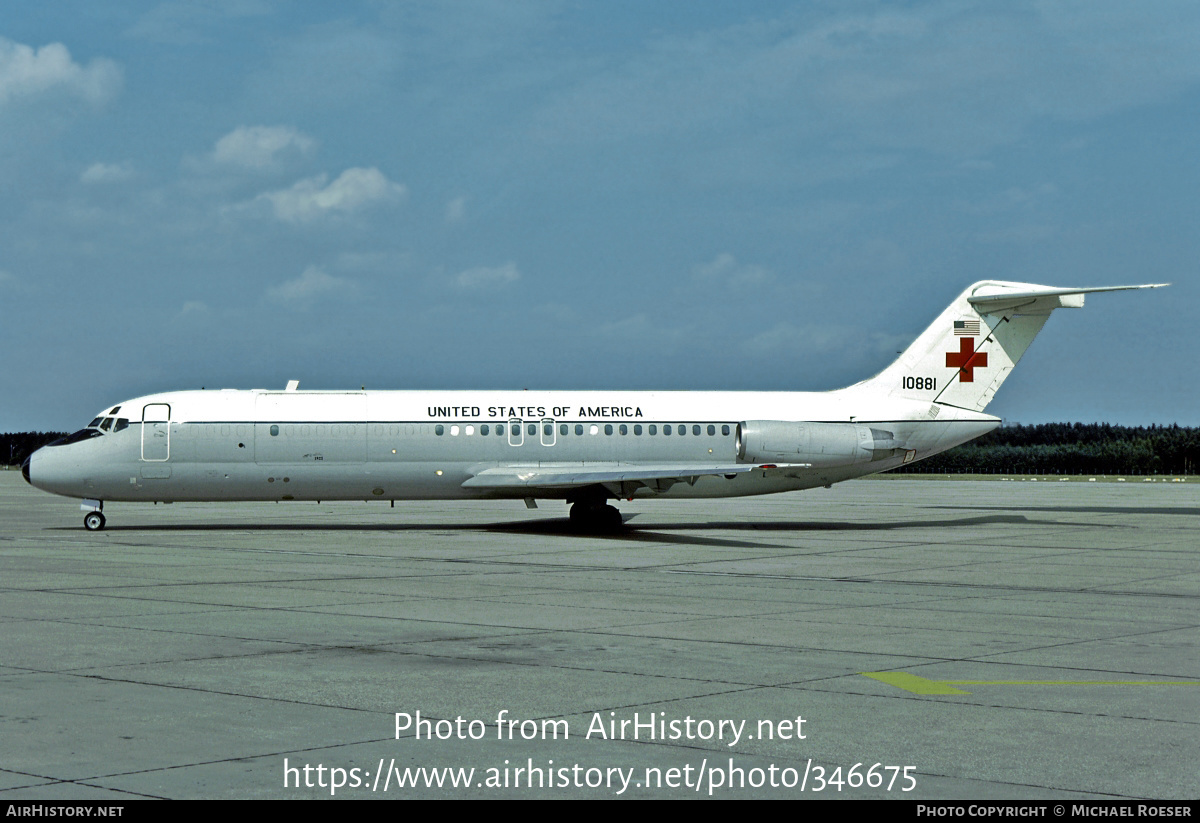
column 646, row 531
column 658, row 532
column 1190, row 511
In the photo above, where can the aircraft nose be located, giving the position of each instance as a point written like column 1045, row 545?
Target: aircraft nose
column 25, row 469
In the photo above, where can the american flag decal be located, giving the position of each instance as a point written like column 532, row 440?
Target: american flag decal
column 964, row 328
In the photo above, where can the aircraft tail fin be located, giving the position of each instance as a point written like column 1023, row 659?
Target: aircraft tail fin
column 964, row 356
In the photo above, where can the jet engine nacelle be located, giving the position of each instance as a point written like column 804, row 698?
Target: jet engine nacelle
column 820, row 445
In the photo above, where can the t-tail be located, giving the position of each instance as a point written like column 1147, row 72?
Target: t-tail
column 963, row 358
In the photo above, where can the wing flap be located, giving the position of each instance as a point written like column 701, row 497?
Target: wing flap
column 516, row 477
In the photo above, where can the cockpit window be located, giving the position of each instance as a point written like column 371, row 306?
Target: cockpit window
column 95, row 423
column 122, row 423
column 82, row 434
column 114, row 411
column 106, row 424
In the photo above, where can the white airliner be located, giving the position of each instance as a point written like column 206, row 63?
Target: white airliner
column 581, row 447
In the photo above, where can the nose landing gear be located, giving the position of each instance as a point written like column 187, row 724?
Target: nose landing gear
column 93, row 521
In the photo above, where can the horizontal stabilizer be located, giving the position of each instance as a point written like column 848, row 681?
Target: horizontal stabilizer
column 989, row 300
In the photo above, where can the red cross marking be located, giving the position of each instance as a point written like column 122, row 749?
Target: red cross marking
column 966, row 360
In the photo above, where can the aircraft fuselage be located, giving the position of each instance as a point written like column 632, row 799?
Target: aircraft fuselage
column 397, row 445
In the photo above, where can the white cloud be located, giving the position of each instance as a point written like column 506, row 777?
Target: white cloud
column 487, row 278
column 650, row 332
column 311, row 198
column 725, row 269
column 382, row 263
column 958, row 78
column 456, row 209
column 312, row 283
column 259, row 147
column 1020, row 234
column 557, row 312
column 822, row 341
column 787, row 337
column 26, row 72
column 186, row 23
column 106, row 173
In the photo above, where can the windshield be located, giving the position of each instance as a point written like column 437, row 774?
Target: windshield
column 82, row 434
column 96, row 428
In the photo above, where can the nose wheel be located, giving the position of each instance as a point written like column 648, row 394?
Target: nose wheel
column 93, row 521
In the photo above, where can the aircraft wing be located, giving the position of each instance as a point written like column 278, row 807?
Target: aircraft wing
column 620, row 479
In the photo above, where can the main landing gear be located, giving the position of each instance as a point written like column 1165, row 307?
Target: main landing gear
column 592, row 512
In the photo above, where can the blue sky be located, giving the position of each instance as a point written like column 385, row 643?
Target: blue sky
column 671, row 195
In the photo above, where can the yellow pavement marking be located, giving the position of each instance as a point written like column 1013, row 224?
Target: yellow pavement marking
column 912, row 683
column 921, row 685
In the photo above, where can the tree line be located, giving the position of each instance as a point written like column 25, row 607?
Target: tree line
column 15, row 447
column 1047, row 448
column 1071, row 448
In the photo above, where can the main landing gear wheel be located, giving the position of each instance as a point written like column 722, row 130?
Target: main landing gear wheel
column 93, row 521
column 597, row 516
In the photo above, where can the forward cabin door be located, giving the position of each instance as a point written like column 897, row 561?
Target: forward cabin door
column 156, row 432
